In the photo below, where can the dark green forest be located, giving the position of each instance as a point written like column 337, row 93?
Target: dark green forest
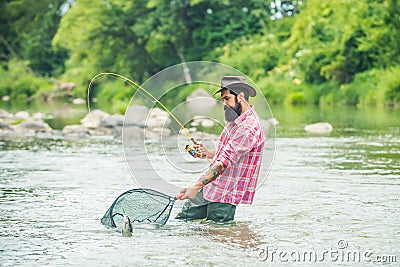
column 309, row 52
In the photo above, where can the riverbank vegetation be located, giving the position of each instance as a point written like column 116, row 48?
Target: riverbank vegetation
column 308, row 52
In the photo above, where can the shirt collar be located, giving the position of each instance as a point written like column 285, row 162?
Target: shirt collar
column 239, row 120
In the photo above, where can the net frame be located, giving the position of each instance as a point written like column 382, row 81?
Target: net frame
column 160, row 215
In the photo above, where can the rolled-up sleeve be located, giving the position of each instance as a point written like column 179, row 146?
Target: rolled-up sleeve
column 241, row 142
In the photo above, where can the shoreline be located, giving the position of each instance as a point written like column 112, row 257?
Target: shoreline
column 98, row 124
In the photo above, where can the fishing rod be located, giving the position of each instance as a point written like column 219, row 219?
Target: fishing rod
column 136, row 85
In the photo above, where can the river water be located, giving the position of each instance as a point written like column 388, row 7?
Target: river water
column 329, row 196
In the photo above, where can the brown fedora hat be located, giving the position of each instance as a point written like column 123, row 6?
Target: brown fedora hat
column 235, row 84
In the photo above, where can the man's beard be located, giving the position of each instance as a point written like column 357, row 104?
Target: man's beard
column 231, row 114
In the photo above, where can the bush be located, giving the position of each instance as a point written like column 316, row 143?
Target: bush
column 254, row 57
column 375, row 87
column 296, row 99
column 328, row 100
column 276, row 86
column 20, row 83
column 390, row 85
column 113, row 96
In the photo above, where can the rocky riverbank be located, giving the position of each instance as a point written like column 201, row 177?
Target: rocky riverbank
column 142, row 123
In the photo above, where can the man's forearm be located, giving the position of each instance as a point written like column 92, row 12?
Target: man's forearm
column 213, row 172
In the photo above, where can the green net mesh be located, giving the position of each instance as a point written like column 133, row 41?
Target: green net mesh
column 141, row 206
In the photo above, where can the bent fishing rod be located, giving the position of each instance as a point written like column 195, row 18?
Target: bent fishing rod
column 138, row 86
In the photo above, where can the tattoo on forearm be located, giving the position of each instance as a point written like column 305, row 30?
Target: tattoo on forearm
column 213, row 172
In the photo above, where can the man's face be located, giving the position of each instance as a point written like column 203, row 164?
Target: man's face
column 231, row 106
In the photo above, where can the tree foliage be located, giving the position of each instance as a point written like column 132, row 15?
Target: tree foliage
column 298, row 51
column 140, row 38
column 329, row 44
column 27, row 29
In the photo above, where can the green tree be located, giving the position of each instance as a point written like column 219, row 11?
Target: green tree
column 139, row 38
column 334, row 40
column 27, row 29
column 216, row 23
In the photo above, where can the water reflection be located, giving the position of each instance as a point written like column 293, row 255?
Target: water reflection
column 237, row 234
column 233, row 235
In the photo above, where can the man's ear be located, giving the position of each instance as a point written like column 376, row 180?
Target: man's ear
column 241, row 96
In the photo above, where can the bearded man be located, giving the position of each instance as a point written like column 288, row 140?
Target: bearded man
column 234, row 169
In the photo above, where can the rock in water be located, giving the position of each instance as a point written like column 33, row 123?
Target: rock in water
column 5, row 114
column 112, row 121
column 158, row 118
column 78, row 101
column 94, row 118
column 76, row 131
column 319, row 128
column 200, row 101
column 22, row 115
column 32, row 127
column 136, row 114
column 5, row 128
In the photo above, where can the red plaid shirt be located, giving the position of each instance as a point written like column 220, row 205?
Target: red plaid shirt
column 240, row 148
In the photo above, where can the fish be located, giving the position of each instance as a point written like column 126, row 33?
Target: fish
column 127, row 227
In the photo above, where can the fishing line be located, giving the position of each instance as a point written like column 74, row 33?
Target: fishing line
column 137, row 86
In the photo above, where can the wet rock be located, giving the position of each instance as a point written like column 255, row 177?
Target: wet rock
column 141, row 125
column 78, row 101
column 160, row 131
column 38, row 116
column 203, row 122
column 158, row 118
column 24, row 115
column 200, row 100
column 4, row 125
column 195, row 123
column 5, row 128
column 112, row 121
column 139, row 133
column 130, row 133
column 101, row 131
column 4, row 114
column 32, row 127
column 136, row 114
column 94, row 118
column 76, row 131
column 192, row 129
column 157, row 134
column 319, row 128
column 207, row 123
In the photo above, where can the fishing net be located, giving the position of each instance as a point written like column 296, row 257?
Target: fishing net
column 141, row 206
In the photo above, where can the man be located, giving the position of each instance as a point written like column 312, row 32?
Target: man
column 235, row 166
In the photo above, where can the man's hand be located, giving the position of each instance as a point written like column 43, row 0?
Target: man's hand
column 213, row 172
column 190, row 192
column 203, row 151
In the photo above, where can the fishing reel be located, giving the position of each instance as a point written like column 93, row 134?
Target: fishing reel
column 192, row 151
